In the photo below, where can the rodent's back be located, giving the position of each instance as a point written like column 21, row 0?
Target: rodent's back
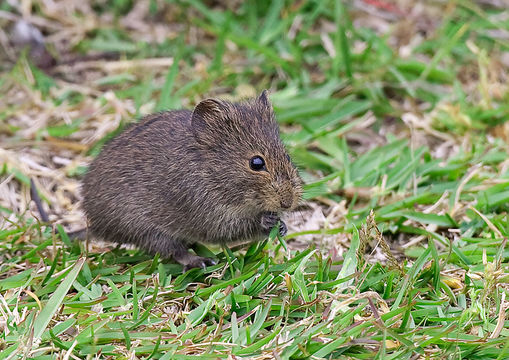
column 124, row 184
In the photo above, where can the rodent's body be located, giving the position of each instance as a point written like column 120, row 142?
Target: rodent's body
column 180, row 177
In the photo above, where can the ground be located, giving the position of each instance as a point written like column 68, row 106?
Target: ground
column 395, row 113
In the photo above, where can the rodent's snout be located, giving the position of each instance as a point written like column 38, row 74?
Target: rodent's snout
column 288, row 195
column 286, row 202
column 285, row 191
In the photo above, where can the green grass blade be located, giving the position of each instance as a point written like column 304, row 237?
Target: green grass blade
column 48, row 311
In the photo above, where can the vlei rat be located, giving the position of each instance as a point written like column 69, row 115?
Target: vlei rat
column 217, row 174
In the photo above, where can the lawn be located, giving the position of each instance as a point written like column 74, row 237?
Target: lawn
column 396, row 113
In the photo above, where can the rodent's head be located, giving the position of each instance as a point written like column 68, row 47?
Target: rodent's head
column 243, row 153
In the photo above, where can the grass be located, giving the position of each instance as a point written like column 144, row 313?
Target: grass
column 397, row 118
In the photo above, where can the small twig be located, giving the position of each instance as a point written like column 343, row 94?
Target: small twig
column 37, row 200
column 501, row 318
column 375, row 312
column 68, row 353
column 120, row 65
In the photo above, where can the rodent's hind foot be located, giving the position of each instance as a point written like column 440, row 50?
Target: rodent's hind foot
column 269, row 220
column 190, row 261
column 80, row 234
column 180, row 253
column 198, row 262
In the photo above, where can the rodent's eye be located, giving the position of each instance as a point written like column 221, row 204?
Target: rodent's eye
column 257, row 163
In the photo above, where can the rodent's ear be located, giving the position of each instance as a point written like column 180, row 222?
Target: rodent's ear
column 209, row 107
column 264, row 99
column 206, row 114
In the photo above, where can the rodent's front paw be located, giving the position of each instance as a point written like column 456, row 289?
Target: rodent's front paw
column 283, row 230
column 269, row 220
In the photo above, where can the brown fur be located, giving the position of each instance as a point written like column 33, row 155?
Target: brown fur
column 180, row 177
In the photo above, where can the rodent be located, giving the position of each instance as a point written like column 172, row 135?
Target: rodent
column 217, row 174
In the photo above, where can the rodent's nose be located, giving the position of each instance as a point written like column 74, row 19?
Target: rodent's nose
column 286, row 203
